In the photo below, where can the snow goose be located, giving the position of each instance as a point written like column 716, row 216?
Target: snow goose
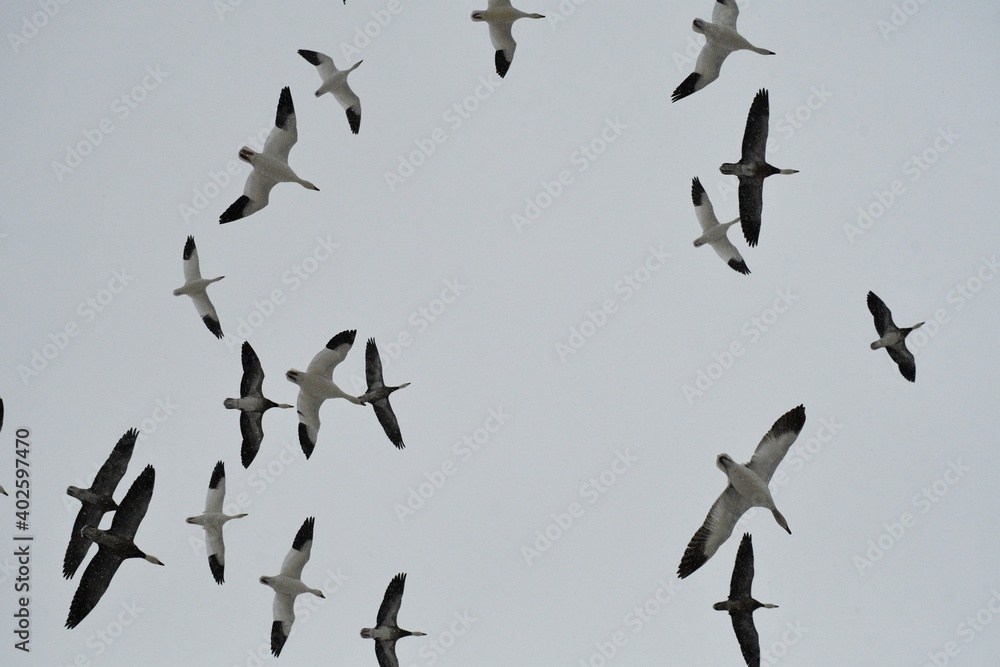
column 741, row 604
column 269, row 167
column 195, row 287
column 252, row 405
column 386, row 632
column 316, row 385
column 752, row 168
column 97, row 500
column 114, row 546
column 714, row 233
column 288, row 585
column 213, row 520
column 892, row 338
column 335, row 82
column 501, row 16
column 747, row 488
column 721, row 39
column 378, row 395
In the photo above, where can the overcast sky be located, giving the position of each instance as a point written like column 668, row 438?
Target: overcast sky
column 522, row 252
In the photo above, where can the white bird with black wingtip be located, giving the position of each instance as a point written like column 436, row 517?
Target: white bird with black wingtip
column 500, row 16
column 288, row 585
column 335, row 83
column 196, row 287
column 212, row 520
column 714, row 233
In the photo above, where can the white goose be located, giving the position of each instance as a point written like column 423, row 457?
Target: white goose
column 194, row 286
column 500, row 16
column 714, row 233
column 721, row 39
column 747, row 488
column 335, row 83
column 316, row 385
column 288, row 585
column 213, row 520
column 270, row 167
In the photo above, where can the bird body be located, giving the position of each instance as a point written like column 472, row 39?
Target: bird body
column 378, row 395
column 386, row 630
column 195, row 287
column 741, row 604
column 252, row 405
column 893, row 338
column 500, row 16
column 335, row 83
column 288, row 585
column 212, row 520
column 714, row 233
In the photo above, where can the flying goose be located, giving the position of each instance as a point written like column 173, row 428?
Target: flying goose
column 316, row 385
column 213, row 520
column 386, row 632
column 721, row 39
column 335, row 82
column 714, row 233
column 114, row 546
column 252, row 405
column 892, row 338
column 269, row 167
column 288, row 585
column 747, row 488
column 752, row 169
column 741, row 604
column 378, row 395
column 1, row 428
column 194, row 286
column 97, row 500
column 501, row 16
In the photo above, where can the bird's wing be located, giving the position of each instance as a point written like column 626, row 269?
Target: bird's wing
column 285, row 132
column 192, row 269
column 324, row 63
column 373, row 366
column 331, row 355
column 702, row 205
column 308, row 408
column 904, row 359
column 133, row 506
column 718, row 526
column 498, row 4
column 283, row 610
column 216, row 489
column 93, row 584
column 298, row 555
column 351, row 104
column 255, row 195
column 385, row 652
column 725, row 13
column 391, row 601
column 113, row 469
column 706, row 70
column 751, row 193
column 253, row 435
column 207, row 313
column 746, row 633
column 503, row 42
column 387, row 418
column 755, row 134
column 742, row 581
column 78, row 546
column 253, row 374
column 725, row 249
column 881, row 313
column 1, row 414
column 216, row 550
column 775, row 444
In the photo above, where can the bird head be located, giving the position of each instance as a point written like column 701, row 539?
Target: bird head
column 478, row 16
column 723, row 461
column 698, row 25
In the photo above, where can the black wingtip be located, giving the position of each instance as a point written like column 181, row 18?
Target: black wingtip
column 278, row 638
column 307, row 445
column 213, row 325
column 687, row 87
column 697, row 191
column 305, row 533
column 285, row 108
column 311, row 56
column 793, row 420
column 739, row 267
column 189, row 247
column 694, row 555
column 218, row 474
column 234, row 212
column 502, row 63
column 217, row 568
column 343, row 338
column 354, row 119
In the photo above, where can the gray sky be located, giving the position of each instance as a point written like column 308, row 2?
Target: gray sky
column 884, row 112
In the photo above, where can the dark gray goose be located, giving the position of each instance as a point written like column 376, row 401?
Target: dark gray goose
column 386, row 632
column 115, row 545
column 97, row 500
column 752, row 168
column 252, row 405
column 195, row 287
column 335, row 83
column 288, row 585
column 892, row 338
column 212, row 520
column 378, row 395
column 741, row 604
column 747, row 488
